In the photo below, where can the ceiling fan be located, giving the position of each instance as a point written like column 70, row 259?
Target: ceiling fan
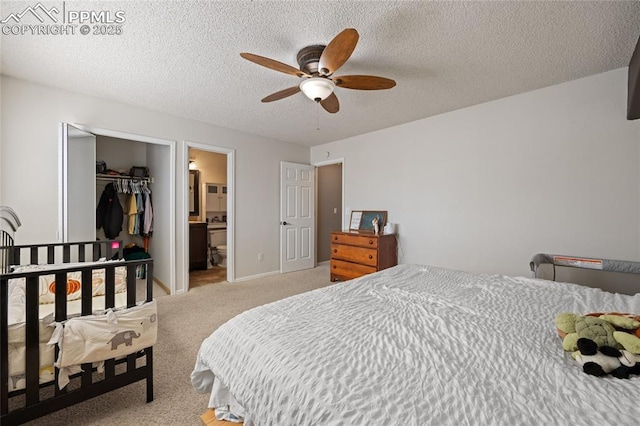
column 317, row 65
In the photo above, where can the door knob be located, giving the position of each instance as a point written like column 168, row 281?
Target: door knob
column 285, row 223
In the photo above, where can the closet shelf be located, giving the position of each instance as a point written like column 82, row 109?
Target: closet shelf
column 122, row 177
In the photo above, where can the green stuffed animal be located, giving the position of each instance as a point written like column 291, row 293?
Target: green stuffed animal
column 628, row 341
column 602, row 343
column 572, row 327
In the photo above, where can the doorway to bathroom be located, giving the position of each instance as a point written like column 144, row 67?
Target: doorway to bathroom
column 210, row 212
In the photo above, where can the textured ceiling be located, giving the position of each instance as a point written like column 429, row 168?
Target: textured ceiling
column 182, row 58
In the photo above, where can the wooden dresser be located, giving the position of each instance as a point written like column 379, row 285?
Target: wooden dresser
column 356, row 254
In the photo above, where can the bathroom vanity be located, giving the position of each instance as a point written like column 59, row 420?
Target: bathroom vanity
column 198, row 245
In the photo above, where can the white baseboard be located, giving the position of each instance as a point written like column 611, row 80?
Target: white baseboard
column 253, row 277
column 267, row 274
column 163, row 286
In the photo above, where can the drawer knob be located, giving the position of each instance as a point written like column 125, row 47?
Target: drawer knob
column 335, row 237
column 370, row 257
column 334, row 266
column 335, row 250
column 370, row 241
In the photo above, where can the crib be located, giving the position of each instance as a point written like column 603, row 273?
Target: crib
column 59, row 261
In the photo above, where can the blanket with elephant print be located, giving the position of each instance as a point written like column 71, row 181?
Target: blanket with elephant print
column 17, row 332
column 96, row 338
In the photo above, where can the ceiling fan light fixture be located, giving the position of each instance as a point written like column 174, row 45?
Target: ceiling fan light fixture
column 317, row 88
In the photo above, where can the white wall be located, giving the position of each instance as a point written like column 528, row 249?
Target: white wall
column 29, row 168
column 212, row 166
column 158, row 158
column 484, row 188
column 121, row 154
column 213, row 169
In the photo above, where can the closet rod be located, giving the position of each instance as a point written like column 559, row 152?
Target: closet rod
column 114, row 177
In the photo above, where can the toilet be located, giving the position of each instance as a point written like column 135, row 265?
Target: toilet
column 222, row 252
column 218, row 247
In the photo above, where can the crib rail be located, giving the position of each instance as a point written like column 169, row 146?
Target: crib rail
column 55, row 253
column 35, row 404
column 6, row 251
column 9, row 224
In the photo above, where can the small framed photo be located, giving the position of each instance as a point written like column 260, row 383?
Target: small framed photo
column 354, row 223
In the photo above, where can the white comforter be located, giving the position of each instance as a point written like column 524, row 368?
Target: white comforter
column 415, row 345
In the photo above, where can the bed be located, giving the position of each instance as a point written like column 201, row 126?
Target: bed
column 63, row 344
column 414, row 345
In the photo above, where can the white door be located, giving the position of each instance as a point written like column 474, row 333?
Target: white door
column 77, row 213
column 297, row 217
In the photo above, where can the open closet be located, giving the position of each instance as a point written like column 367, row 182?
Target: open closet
column 121, row 168
column 117, row 188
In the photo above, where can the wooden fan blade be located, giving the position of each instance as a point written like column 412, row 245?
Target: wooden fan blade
column 331, row 104
column 282, row 94
column 364, row 82
column 273, row 64
column 338, row 51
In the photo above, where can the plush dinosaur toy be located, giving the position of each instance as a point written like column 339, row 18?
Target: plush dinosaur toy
column 602, row 343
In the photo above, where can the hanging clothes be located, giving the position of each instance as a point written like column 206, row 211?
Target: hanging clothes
column 132, row 213
column 138, row 208
column 139, row 222
column 109, row 214
column 148, row 215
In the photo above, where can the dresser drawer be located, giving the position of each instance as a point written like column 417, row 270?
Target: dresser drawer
column 349, row 270
column 356, row 254
column 355, row 240
column 365, row 256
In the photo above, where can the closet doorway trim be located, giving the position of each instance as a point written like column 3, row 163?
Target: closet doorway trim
column 172, row 184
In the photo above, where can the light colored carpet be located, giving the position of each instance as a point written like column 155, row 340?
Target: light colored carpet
column 184, row 321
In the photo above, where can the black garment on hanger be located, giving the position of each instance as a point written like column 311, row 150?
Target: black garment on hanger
column 109, row 213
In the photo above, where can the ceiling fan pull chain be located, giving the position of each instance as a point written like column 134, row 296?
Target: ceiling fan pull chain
column 318, row 116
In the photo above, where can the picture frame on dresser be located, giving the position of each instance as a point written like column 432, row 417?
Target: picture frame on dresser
column 354, row 222
column 366, row 221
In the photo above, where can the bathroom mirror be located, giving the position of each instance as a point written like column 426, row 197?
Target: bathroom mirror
column 194, row 193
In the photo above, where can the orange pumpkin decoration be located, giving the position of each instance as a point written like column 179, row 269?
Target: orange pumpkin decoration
column 72, row 286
